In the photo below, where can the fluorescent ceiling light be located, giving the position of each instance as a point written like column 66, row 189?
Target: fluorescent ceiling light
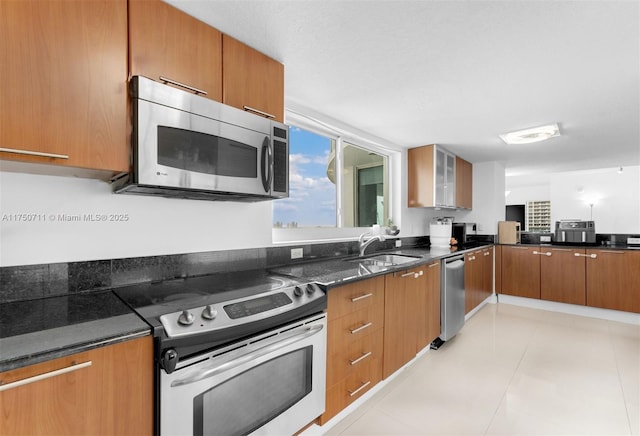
column 535, row 134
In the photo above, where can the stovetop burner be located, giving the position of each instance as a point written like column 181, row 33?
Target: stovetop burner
column 194, row 314
column 215, row 287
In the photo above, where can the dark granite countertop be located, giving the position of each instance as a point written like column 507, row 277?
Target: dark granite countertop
column 575, row 245
column 34, row 331
column 340, row 271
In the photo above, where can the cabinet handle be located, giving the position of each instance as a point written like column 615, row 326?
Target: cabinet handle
column 434, row 264
column 561, row 249
column 612, row 251
column 259, row 112
column 182, row 85
column 44, row 376
column 592, row 255
column 362, row 327
column 487, row 254
column 520, row 248
column 34, row 153
column 408, row 274
column 361, row 297
column 362, row 386
column 364, row 356
column 470, row 258
column 548, row 253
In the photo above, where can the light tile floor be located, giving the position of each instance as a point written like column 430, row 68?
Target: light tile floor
column 514, row 371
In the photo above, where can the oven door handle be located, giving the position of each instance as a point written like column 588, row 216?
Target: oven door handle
column 294, row 337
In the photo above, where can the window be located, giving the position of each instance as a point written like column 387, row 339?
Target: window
column 312, row 193
column 318, row 197
column 538, row 216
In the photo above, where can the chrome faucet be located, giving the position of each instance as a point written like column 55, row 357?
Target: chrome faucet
column 363, row 245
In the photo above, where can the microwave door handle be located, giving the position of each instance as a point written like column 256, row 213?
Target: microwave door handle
column 266, row 164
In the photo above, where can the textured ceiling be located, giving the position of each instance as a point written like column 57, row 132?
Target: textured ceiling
column 458, row 73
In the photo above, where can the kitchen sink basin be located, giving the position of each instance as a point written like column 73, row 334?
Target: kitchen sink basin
column 384, row 260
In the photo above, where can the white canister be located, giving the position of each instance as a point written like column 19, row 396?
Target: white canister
column 440, row 232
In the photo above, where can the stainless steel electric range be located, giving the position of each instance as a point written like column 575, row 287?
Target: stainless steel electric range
column 236, row 353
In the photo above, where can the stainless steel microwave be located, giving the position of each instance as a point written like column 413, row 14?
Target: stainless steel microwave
column 188, row 146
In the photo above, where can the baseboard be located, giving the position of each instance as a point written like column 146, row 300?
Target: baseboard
column 572, row 309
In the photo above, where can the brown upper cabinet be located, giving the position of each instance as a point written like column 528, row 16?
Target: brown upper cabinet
column 63, row 84
column 166, row 43
column 464, row 184
column 252, row 81
column 436, row 178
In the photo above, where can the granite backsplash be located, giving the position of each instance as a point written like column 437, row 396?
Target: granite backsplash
column 30, row 282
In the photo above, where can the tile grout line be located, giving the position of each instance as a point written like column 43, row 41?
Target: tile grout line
column 615, row 358
column 524, row 352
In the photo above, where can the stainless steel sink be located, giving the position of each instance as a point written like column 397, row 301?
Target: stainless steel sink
column 385, row 260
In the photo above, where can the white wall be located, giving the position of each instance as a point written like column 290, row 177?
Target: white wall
column 615, row 196
column 521, row 195
column 155, row 226
column 488, row 198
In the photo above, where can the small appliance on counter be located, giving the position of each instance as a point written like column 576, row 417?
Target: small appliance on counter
column 575, row 231
column 508, row 232
column 440, row 231
column 461, row 232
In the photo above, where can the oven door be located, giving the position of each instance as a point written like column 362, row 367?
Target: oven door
column 182, row 150
column 271, row 384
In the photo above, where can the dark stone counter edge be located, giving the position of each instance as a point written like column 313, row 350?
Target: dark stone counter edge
column 31, row 348
column 334, row 279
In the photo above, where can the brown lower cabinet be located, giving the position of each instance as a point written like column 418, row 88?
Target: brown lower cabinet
column 562, row 275
column 428, row 304
column 613, row 279
column 521, row 271
column 608, row 279
column 478, row 277
column 107, row 391
column 400, row 318
column 355, row 315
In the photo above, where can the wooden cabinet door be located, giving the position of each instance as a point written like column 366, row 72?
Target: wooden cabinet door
column 428, row 304
column 464, row 183
column 521, row 271
column 63, row 83
column 421, row 176
column 251, row 80
column 497, row 268
column 400, row 319
column 107, row 390
column 486, row 289
column 166, row 42
column 613, row 279
column 562, row 275
column 473, row 266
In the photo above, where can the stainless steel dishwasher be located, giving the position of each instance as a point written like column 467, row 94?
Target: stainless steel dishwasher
column 451, row 299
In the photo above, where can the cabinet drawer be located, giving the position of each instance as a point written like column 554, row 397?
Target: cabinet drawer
column 343, row 332
column 355, row 296
column 342, row 361
column 351, row 388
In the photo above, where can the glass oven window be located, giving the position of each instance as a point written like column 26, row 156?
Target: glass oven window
column 204, row 153
column 249, row 400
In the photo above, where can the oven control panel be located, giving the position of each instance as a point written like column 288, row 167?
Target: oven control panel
column 233, row 313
